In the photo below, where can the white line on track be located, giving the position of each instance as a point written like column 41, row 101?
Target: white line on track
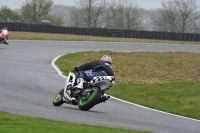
column 55, row 67
column 60, row 73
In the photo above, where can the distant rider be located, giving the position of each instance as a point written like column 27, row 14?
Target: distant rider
column 3, row 36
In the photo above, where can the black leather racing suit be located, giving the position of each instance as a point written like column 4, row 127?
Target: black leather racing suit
column 102, row 67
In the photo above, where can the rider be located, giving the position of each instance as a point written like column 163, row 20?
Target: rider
column 100, row 67
column 3, row 37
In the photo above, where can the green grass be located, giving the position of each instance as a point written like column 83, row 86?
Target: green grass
column 165, row 81
column 178, row 98
column 142, row 67
column 69, row 37
column 10, row 123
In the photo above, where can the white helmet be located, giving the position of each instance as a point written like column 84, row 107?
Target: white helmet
column 107, row 58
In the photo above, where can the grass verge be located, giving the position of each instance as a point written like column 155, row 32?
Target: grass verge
column 180, row 98
column 67, row 37
column 164, row 81
column 10, row 123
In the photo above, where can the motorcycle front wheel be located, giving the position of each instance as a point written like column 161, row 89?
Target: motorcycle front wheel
column 86, row 103
column 58, row 99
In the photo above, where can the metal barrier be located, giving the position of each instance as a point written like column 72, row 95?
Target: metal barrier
column 24, row 27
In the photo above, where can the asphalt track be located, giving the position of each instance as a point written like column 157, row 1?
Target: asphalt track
column 28, row 83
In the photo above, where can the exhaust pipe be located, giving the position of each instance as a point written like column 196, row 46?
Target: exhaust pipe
column 107, row 97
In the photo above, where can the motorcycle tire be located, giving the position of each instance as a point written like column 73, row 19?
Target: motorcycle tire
column 58, row 99
column 86, row 103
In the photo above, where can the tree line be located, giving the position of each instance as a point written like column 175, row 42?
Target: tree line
column 175, row 15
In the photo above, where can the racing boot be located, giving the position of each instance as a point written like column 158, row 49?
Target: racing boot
column 104, row 98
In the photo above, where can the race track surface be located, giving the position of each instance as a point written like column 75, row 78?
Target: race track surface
column 28, row 83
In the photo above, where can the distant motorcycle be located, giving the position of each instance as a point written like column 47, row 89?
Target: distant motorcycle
column 85, row 99
column 4, row 36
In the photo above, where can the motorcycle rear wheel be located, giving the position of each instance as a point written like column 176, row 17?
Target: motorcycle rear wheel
column 86, row 103
column 58, row 99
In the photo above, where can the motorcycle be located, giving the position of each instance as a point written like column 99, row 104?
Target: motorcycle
column 86, row 98
column 4, row 33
